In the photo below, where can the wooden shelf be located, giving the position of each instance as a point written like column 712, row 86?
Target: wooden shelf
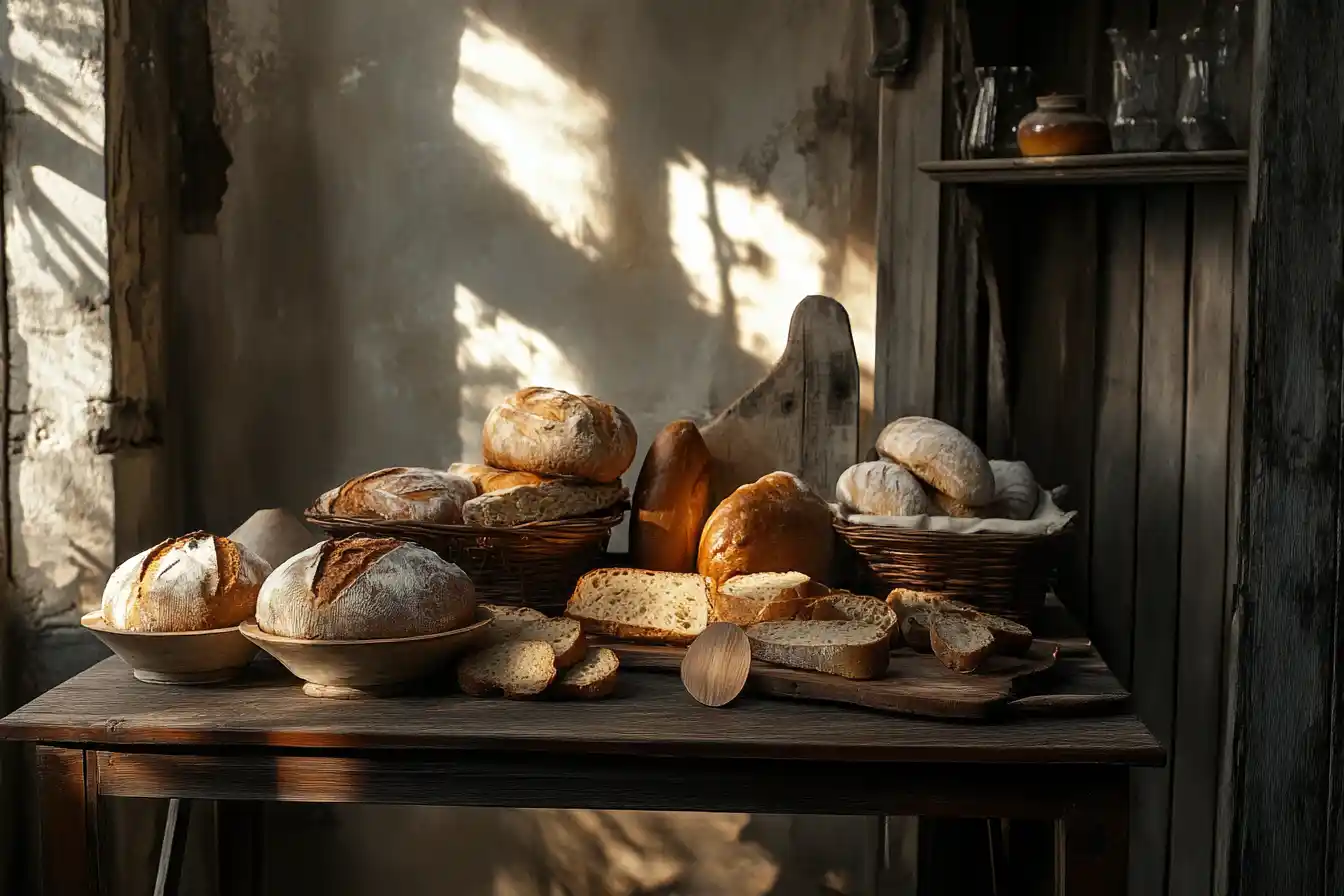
column 1115, row 168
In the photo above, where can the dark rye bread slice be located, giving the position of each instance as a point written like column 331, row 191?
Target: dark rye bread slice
column 960, row 642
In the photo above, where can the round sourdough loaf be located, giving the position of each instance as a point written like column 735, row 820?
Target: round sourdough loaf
column 881, row 488
column 941, row 455
column 553, row 433
column 190, row 584
column 361, row 588
column 671, row 500
column 775, row 524
column 1016, row 495
column 401, row 493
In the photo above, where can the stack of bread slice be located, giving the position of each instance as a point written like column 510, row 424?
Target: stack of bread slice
column 959, row 635
column 529, row 654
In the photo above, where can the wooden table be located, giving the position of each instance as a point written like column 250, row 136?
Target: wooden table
column 105, row 734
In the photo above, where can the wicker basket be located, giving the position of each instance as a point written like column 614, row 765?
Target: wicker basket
column 1004, row 574
column 533, row 565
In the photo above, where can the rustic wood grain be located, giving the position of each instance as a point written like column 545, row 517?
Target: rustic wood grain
column 1133, row 169
column 803, row 416
column 714, row 668
column 916, row 683
column 649, row 782
column 69, row 834
column 1289, row 796
column 106, row 705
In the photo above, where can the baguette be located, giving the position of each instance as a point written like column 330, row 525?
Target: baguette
column 853, row 650
column 641, row 604
column 960, row 642
column 592, row 678
column 764, row 597
column 516, row 669
column 671, row 500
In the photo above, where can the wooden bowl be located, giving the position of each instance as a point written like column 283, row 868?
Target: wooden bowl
column 206, row 657
column 378, row 667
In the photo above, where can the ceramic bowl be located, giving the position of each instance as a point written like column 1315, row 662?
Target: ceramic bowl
column 207, row 657
column 373, row 668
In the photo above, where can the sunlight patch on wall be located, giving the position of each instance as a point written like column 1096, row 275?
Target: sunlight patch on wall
column 67, row 231
column 498, row 354
column 546, row 134
column 741, row 253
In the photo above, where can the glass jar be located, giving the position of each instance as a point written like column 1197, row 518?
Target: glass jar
column 1061, row 126
column 1202, row 112
column 1004, row 93
column 1140, row 116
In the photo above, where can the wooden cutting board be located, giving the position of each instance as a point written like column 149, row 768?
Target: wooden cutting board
column 916, row 684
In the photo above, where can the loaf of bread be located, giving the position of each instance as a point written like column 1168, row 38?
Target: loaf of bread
column 556, row 499
column 940, row 455
column 641, row 604
column 881, row 488
column 775, row 524
column 401, row 493
column 489, row 479
column 194, row 583
column 553, row 433
column 764, row 597
column 671, row 500
column 362, row 588
column 849, row 649
column 1016, row 495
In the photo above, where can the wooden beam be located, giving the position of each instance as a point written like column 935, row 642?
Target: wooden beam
column 1286, row 794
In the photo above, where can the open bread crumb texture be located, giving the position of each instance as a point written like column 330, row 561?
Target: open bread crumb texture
column 595, row 666
column 517, row 668
column 672, row 602
column 763, row 586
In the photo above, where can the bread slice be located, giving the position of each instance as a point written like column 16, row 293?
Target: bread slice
column 763, row 597
column 642, row 605
column 903, row 600
column 564, row 635
column 849, row 649
column 915, row 629
column 1010, row 638
column 517, row 669
column 960, row 642
column 503, row 612
column 857, row 608
column 591, row 678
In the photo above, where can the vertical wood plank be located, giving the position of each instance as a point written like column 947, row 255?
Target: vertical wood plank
column 1116, row 463
column 1194, row 757
column 1157, row 541
column 68, row 829
column 1288, row 792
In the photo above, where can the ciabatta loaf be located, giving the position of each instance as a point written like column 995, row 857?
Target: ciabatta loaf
column 592, row 678
column 850, row 649
column 361, row 588
column 401, row 493
column 641, row 605
column 881, row 488
column 857, row 608
column 517, row 669
column 941, row 455
column 554, row 500
column 490, row 479
column 671, row 501
column 553, row 433
column 763, row 597
column 775, row 524
column 194, row 583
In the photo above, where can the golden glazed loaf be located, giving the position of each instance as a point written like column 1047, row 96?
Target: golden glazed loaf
column 553, row 433
column 361, row 588
column 194, row 583
column 671, row 500
column 401, row 493
column 775, row 524
column 941, row 455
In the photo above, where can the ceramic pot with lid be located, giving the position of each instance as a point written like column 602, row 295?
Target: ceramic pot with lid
column 1062, row 126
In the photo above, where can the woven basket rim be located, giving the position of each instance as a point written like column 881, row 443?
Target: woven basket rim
column 847, row 528
column 594, row 522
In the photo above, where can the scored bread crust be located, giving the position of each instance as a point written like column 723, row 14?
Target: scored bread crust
column 361, row 588
column 196, row 582
column 593, row 678
column 881, row 488
column 671, row 501
column 491, row 479
column 764, row 597
column 941, row 455
column 1016, row 495
column 401, row 493
column 601, row 612
column 551, row 432
column 775, row 524
column 519, row 670
column 553, row 500
column 854, row 650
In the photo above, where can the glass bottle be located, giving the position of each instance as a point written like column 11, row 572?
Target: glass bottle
column 1004, row 93
column 1202, row 113
column 1139, row 119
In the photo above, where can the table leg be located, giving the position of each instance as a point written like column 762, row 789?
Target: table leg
column 173, row 851
column 67, row 782
column 238, row 847
column 1093, row 838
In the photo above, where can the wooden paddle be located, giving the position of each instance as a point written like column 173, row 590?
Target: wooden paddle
column 716, row 664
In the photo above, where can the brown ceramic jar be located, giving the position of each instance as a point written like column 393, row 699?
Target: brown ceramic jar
column 1060, row 126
